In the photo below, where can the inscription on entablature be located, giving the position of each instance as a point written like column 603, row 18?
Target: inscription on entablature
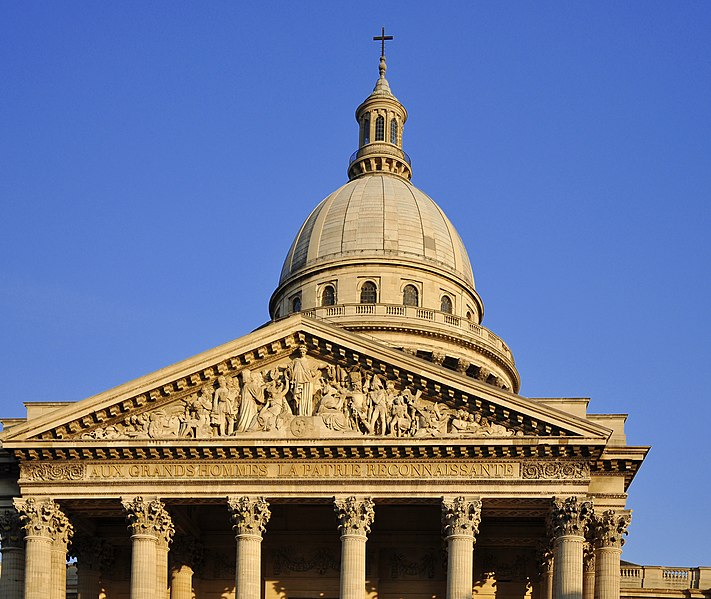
column 188, row 470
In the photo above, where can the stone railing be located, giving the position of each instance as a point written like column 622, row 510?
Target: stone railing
column 664, row 577
column 398, row 312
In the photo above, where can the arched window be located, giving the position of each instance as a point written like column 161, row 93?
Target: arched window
column 328, row 297
column 446, row 304
column 296, row 304
column 410, row 296
column 366, row 129
column 368, row 293
column 380, row 129
column 393, row 132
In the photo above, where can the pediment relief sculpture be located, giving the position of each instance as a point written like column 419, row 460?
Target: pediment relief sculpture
column 303, row 397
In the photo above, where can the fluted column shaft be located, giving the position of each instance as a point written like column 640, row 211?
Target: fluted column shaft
column 162, row 569
column 181, row 582
column 610, row 528
column 88, row 583
column 12, row 575
column 460, row 522
column 569, row 519
column 249, row 516
column 58, row 589
column 355, row 517
column 148, row 522
column 607, row 572
column 568, row 570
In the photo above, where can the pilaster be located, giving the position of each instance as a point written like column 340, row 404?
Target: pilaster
column 249, row 516
column 355, row 517
column 461, row 517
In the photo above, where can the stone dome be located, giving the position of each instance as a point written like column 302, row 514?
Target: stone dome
column 378, row 217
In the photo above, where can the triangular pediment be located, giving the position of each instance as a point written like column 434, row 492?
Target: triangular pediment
column 301, row 378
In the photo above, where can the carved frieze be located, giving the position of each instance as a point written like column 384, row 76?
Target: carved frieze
column 405, row 565
column 51, row 471
column 461, row 516
column 610, row 528
column 555, row 469
column 303, row 397
column 148, row 517
column 570, row 516
column 292, row 559
column 249, row 515
column 355, row 515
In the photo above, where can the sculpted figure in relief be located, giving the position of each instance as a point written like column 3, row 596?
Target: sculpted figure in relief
column 252, row 400
column 303, row 376
column 223, row 414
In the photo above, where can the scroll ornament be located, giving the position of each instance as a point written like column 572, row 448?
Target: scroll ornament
column 148, row 517
column 355, row 515
column 249, row 515
column 51, row 472
column 570, row 516
column 461, row 516
column 610, row 528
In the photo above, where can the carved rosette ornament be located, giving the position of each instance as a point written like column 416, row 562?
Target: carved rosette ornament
column 249, row 515
column 11, row 534
column 461, row 516
column 44, row 518
column 148, row 517
column 355, row 515
column 610, row 528
column 570, row 516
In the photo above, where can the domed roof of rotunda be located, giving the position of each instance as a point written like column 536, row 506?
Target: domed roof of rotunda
column 379, row 217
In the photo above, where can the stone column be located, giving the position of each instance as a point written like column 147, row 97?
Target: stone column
column 355, row 517
column 569, row 519
column 63, row 531
column 460, row 522
column 162, row 546
column 185, row 554
column 148, row 521
column 249, row 516
column 588, row 571
column 12, row 577
column 43, row 521
column 544, row 559
column 93, row 555
column 610, row 528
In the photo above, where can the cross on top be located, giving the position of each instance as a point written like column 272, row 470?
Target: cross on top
column 382, row 38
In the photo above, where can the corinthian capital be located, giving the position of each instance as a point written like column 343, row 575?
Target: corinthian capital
column 148, row 517
column 355, row 515
column 610, row 528
column 461, row 516
column 11, row 534
column 92, row 553
column 44, row 518
column 570, row 516
column 249, row 515
column 588, row 558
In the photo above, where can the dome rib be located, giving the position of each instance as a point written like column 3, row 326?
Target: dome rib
column 378, row 216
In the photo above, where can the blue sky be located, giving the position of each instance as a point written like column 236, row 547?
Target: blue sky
column 157, row 158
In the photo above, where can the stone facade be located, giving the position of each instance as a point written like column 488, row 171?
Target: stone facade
column 368, row 442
